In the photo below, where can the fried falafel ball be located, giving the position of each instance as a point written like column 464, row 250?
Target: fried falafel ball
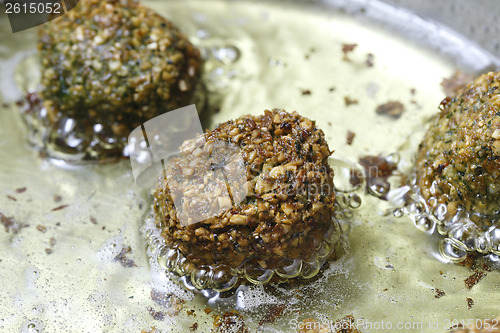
column 114, row 64
column 458, row 165
column 285, row 217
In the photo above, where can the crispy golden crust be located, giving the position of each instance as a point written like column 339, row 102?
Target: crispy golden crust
column 290, row 201
column 116, row 63
column 459, row 159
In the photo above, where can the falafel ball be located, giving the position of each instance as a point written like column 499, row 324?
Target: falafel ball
column 115, row 64
column 458, row 165
column 286, row 214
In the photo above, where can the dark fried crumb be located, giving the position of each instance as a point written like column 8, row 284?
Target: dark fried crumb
column 306, row 92
column 468, row 261
column 451, row 86
column 20, row 103
column 392, row 109
column 194, row 327
column 356, row 178
column 207, row 310
column 11, row 225
column 52, row 241
column 486, row 266
column 331, row 89
column 369, row 60
column 472, row 280
column 157, row 315
column 413, row 91
column 11, row 198
column 191, row 313
column 230, row 322
column 346, row 49
column 168, row 301
column 439, row 293
column 59, row 208
column 349, row 101
column 122, row 258
column 350, row 137
column 57, row 198
column 5, row 105
column 21, row 190
column 48, row 251
column 470, row 303
column 41, row 228
column 308, row 54
column 274, row 313
column 93, row 220
column 377, row 169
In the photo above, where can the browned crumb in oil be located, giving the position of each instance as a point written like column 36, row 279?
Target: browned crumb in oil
column 452, row 85
column 171, row 303
column 377, row 166
column 230, row 321
column 11, row 198
column 57, row 198
column 41, row 228
column 309, row 53
column 274, row 313
column 370, row 60
column 377, row 171
column 468, row 261
column 123, row 259
column 346, row 49
column 11, row 225
column 93, row 220
column 350, row 137
column 194, row 327
column 306, row 92
column 207, row 310
column 157, row 315
column 21, row 190
column 474, row 279
column 59, row 208
column 470, row 303
column 350, row 101
column 48, row 251
column 439, row 293
column 393, row 109
column 191, row 313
